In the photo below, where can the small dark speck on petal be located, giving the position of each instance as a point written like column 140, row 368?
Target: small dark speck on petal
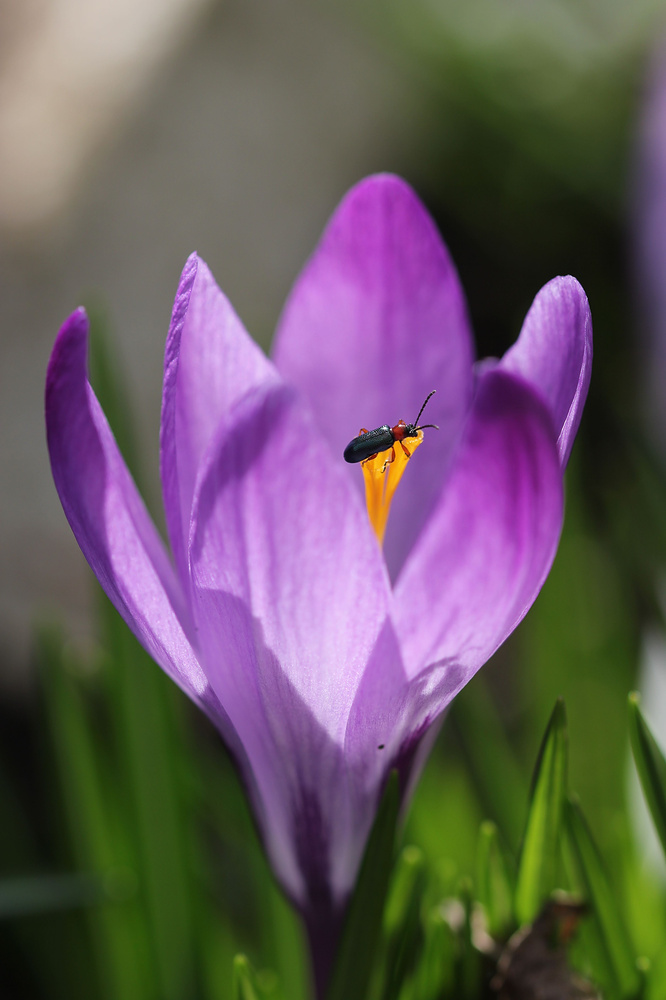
column 381, row 746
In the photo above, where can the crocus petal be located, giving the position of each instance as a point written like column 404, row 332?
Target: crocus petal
column 488, row 546
column 291, row 600
column 376, row 320
column 388, row 721
column 554, row 353
column 108, row 517
column 210, row 361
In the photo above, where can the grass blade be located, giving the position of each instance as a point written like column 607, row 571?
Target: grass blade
column 97, row 822
column 403, row 934
column 620, row 964
column 494, row 888
column 243, row 988
column 539, row 859
column 651, row 766
column 143, row 712
column 435, row 973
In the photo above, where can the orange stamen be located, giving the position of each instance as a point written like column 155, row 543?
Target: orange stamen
column 382, row 473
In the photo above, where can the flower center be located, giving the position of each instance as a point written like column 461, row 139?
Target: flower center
column 382, row 473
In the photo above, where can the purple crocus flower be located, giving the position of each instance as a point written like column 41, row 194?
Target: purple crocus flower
column 322, row 657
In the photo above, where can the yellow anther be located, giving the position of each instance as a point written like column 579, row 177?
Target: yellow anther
column 382, row 474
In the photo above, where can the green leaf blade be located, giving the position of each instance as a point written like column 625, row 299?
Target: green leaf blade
column 435, row 973
column 403, row 933
column 651, row 766
column 494, row 886
column 96, row 820
column 539, row 859
column 146, row 736
column 243, row 988
column 620, row 961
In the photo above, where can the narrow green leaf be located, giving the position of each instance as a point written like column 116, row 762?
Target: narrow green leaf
column 402, row 921
column 96, row 820
column 361, row 933
column 538, row 866
column 434, row 977
column 287, row 949
column 644, row 969
column 620, row 961
column 144, row 717
column 408, row 876
column 242, row 978
column 587, row 949
column 468, row 964
column 651, row 766
column 494, row 889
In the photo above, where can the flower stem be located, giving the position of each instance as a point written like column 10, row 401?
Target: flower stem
column 324, row 931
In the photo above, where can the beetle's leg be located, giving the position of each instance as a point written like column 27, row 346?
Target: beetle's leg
column 370, row 457
column 406, row 450
column 391, row 458
column 363, row 430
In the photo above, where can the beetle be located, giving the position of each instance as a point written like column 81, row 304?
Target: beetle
column 371, row 443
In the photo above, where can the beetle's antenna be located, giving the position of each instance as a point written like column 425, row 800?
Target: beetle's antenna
column 423, row 408
column 422, row 427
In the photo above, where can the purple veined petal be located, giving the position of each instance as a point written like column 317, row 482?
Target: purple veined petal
column 394, row 721
column 376, row 320
column 554, row 353
column 487, row 548
column 210, row 361
column 108, row 517
column 291, row 600
column 393, row 724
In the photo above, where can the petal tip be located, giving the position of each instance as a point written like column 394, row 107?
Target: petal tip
column 76, row 324
column 180, row 306
column 72, row 335
column 188, row 275
column 567, row 289
column 382, row 181
column 566, row 284
column 554, row 353
column 385, row 189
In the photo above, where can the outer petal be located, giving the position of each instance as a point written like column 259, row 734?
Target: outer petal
column 108, row 517
column 291, row 600
column 210, row 361
column 375, row 321
column 488, row 546
column 554, row 353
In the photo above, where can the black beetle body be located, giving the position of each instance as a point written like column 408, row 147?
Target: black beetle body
column 369, row 443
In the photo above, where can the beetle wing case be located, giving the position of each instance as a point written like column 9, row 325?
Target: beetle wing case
column 365, row 445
